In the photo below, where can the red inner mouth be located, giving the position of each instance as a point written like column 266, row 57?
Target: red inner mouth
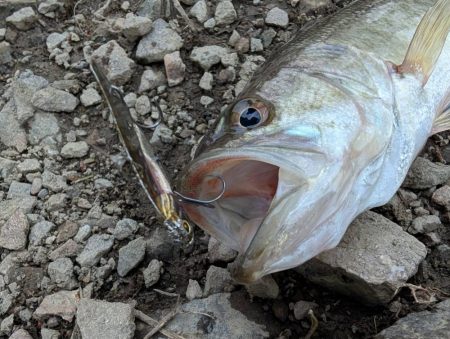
column 250, row 188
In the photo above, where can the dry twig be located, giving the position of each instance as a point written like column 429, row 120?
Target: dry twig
column 100, row 13
column 314, row 324
column 169, row 294
column 183, row 14
column 153, row 322
column 425, row 296
column 164, row 320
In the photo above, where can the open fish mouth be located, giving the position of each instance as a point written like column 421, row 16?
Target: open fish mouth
column 253, row 185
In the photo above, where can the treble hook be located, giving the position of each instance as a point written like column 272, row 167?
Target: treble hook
column 204, row 203
column 154, row 125
column 116, row 91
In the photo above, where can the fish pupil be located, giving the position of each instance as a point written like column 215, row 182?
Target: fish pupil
column 250, row 117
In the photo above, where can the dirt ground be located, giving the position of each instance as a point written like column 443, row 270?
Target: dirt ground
column 339, row 317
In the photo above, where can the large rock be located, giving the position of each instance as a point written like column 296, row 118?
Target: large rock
column 62, row 303
column 90, row 97
column 29, row 166
column 151, row 9
column 130, row 256
column 104, row 320
column 54, row 100
column 374, row 258
column 175, row 68
column 54, row 40
column 53, row 182
column 43, row 126
column 18, row 190
column 7, row 169
column 125, row 228
column 425, row 224
column 151, row 79
column 97, row 246
column 23, row 19
column 40, row 231
column 6, row 301
column 225, row 321
column 119, row 68
column 12, row 133
column 5, row 53
column 277, row 17
column 434, row 324
column 61, row 272
column 24, row 86
column 14, row 233
column 160, row 41
column 69, row 249
column 208, row 56
column 442, row 196
column 77, row 149
column 225, row 13
column 6, row 325
column 8, row 207
column 49, row 7
column 218, row 280
column 424, row 174
column 200, row 11
column 136, row 26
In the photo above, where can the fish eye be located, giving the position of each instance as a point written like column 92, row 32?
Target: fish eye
column 249, row 113
column 250, row 117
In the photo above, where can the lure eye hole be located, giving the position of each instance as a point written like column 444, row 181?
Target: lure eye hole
column 249, row 113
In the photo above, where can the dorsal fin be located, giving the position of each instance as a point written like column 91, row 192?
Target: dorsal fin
column 428, row 41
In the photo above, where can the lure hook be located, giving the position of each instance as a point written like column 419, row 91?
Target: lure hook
column 116, row 91
column 154, row 125
column 204, row 203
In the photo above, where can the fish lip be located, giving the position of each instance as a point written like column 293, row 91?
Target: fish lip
column 251, row 153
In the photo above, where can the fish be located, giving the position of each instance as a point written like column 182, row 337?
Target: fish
column 146, row 165
column 326, row 129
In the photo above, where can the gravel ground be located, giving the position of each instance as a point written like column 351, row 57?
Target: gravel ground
column 81, row 250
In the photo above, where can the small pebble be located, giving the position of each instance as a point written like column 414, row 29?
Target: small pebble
column 152, row 273
column 206, row 81
column 206, row 101
column 277, row 17
column 193, row 291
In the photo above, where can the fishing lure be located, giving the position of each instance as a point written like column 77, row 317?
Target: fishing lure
column 144, row 162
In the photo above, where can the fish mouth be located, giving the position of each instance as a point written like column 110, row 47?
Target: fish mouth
column 253, row 185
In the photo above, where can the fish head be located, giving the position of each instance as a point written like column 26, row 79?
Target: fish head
column 281, row 149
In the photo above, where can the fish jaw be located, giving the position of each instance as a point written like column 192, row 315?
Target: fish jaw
column 252, row 183
column 285, row 240
column 268, row 195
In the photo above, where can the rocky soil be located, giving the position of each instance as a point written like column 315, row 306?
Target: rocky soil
column 81, row 251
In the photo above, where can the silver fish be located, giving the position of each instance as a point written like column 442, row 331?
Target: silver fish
column 327, row 129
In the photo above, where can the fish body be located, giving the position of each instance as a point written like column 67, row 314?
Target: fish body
column 324, row 131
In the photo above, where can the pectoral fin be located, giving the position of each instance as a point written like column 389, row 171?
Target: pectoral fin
column 442, row 122
column 428, row 41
